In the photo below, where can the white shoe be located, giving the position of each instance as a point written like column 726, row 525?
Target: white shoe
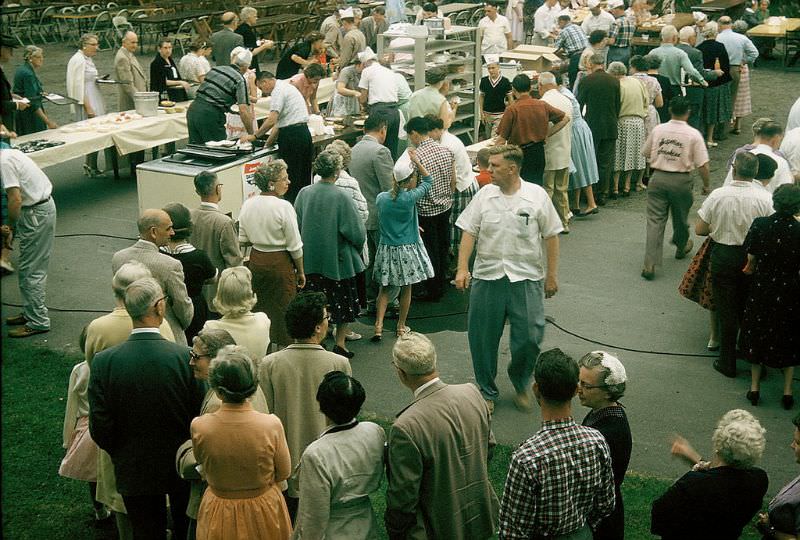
column 352, row 336
column 5, row 265
column 102, row 514
column 713, row 345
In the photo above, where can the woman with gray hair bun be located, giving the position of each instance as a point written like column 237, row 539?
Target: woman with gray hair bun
column 205, row 348
column 244, row 457
column 334, row 236
column 268, row 226
column 27, row 84
column 716, row 499
column 600, row 387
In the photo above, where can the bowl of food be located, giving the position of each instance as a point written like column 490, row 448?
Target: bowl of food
column 167, row 103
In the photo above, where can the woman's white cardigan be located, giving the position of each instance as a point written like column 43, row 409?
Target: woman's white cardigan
column 75, row 79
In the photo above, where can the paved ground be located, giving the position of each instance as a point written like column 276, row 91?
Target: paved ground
column 601, row 298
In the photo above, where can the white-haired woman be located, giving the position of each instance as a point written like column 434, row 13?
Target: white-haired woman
column 248, row 17
column 234, row 301
column 244, row 456
column 628, row 159
column 333, row 235
column 716, row 499
column 82, row 87
column 268, row 225
column 27, row 84
column 234, row 125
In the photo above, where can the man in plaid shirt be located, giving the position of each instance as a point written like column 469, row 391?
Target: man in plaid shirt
column 560, row 483
column 621, row 34
column 434, row 208
column 572, row 41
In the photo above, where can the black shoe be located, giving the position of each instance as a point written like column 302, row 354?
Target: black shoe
column 753, row 396
column 343, row 352
column 648, row 274
column 601, row 201
column 626, row 193
column 787, row 402
column 613, row 196
column 730, row 373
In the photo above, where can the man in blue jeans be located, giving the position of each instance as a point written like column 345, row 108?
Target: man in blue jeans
column 31, row 219
column 514, row 272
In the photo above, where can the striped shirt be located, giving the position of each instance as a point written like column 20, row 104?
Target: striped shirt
column 622, row 30
column 224, row 86
column 559, row 481
column 439, row 163
column 730, row 210
column 571, row 40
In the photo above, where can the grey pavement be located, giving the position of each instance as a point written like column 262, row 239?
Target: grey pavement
column 601, row 298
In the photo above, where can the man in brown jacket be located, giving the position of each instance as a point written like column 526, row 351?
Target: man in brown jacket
column 439, row 447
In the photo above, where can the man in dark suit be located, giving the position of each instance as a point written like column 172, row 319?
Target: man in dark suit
column 225, row 40
column 143, row 397
column 599, row 92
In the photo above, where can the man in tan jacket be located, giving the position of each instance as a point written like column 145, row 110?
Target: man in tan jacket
column 128, row 72
column 439, row 447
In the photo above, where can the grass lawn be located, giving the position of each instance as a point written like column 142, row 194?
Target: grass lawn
column 39, row 504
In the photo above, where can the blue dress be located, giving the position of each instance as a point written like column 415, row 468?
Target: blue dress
column 401, row 258
column 582, row 154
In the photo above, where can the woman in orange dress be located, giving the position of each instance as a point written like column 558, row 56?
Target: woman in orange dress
column 243, row 456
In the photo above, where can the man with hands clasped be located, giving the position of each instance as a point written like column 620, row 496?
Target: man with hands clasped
column 516, row 228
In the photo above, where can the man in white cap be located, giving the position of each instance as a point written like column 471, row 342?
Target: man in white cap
column 598, row 19
column 379, row 91
column 620, row 35
column 353, row 40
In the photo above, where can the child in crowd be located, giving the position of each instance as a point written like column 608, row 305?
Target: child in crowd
column 484, row 176
column 80, row 463
column 401, row 259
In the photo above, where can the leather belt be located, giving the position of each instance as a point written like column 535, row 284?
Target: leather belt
column 37, row 203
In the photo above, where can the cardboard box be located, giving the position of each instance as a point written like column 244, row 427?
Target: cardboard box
column 533, row 57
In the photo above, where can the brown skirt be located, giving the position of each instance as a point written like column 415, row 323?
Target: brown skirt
column 696, row 282
column 275, row 284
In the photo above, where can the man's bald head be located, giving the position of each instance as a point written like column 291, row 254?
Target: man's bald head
column 228, row 18
column 155, row 226
column 130, row 41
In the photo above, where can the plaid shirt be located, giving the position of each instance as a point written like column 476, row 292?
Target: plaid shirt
column 571, row 39
column 559, row 480
column 440, row 164
column 622, row 29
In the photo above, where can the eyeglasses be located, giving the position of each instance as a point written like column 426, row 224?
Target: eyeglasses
column 587, row 386
column 194, row 356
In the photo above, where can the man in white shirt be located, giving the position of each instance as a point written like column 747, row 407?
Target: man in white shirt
column 794, row 116
column 557, row 150
column 289, row 115
column 515, row 227
column 545, row 21
column 32, row 219
column 726, row 216
column 790, row 147
column 378, row 87
column 496, row 31
column 768, row 139
column 599, row 19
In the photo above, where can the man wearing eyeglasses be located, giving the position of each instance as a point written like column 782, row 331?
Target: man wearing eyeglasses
column 142, row 398
column 155, row 230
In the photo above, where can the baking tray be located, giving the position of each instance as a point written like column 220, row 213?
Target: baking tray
column 57, row 99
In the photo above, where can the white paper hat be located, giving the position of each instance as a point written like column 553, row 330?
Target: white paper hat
column 366, row 55
column 491, row 58
column 699, row 16
column 617, row 373
column 615, row 4
column 403, row 168
column 346, row 13
column 593, row 4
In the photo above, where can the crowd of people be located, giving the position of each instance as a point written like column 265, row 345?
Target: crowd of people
column 209, row 383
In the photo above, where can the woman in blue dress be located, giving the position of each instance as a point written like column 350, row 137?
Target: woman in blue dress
column 401, row 259
column 583, row 159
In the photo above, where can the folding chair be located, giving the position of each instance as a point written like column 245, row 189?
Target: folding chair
column 102, row 26
column 47, row 24
column 183, row 35
column 792, row 42
column 22, row 26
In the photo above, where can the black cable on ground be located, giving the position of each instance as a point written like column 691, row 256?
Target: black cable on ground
column 93, row 234
column 63, row 310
